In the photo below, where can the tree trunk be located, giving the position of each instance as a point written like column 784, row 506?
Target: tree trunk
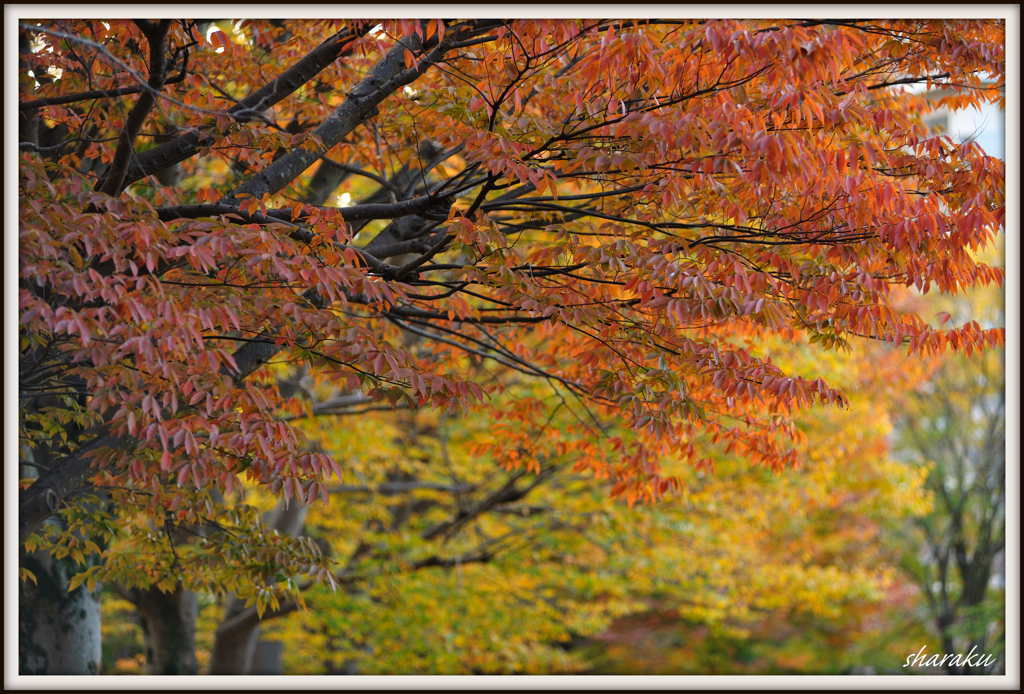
column 325, row 180
column 58, row 631
column 234, row 649
column 267, row 660
column 168, row 630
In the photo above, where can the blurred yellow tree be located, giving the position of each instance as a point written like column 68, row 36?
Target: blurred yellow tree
column 456, row 567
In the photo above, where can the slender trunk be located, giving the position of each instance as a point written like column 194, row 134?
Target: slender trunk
column 267, row 660
column 234, row 649
column 168, row 623
column 58, row 631
column 963, row 630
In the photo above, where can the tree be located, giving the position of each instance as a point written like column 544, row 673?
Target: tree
column 955, row 422
column 624, row 210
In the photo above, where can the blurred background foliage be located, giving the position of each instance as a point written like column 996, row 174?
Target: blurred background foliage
column 826, row 569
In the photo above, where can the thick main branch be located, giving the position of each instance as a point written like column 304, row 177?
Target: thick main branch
column 386, row 77
column 157, row 35
column 189, row 144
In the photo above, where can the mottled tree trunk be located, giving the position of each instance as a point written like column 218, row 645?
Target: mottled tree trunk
column 168, row 623
column 58, row 631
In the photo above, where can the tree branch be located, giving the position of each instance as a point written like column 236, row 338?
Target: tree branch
column 95, row 94
column 189, row 144
column 157, row 35
column 386, row 77
column 395, row 210
column 44, row 497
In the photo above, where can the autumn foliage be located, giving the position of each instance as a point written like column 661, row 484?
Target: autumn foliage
column 627, row 212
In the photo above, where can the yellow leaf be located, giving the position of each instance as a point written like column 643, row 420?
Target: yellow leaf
column 75, row 257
